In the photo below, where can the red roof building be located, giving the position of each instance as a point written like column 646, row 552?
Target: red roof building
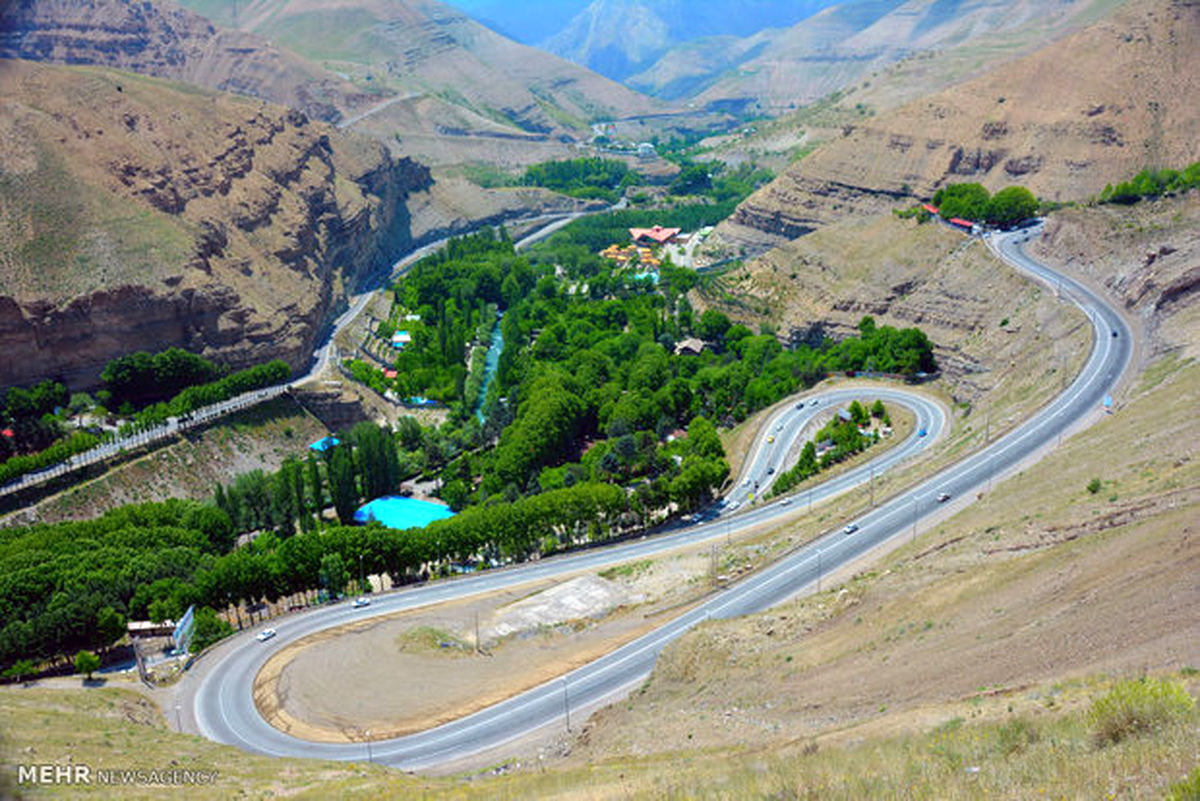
column 960, row 222
column 929, row 207
column 8, row 432
column 658, row 235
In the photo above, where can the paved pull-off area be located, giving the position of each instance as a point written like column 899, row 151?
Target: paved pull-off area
column 218, row 693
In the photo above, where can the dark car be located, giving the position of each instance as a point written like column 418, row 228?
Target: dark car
column 943, row 497
column 770, row 471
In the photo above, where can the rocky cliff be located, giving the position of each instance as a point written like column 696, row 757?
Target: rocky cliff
column 134, row 215
column 1092, row 109
column 161, row 39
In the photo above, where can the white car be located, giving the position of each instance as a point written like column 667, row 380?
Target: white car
column 786, row 502
column 359, row 603
column 733, row 506
column 266, row 634
column 850, row 529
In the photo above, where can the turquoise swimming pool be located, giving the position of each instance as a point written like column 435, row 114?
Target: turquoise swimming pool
column 395, row 512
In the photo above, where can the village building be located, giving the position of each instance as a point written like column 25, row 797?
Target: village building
column 654, row 236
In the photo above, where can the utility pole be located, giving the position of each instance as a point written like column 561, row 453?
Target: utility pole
column 367, row 736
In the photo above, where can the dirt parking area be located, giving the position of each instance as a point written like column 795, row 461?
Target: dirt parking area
column 402, row 673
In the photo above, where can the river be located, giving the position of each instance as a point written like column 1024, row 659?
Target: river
column 490, row 363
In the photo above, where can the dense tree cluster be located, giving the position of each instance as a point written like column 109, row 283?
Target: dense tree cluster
column 70, row 586
column 583, row 177
column 65, row 587
column 232, row 385
column 28, row 414
column 456, row 292
column 139, row 379
column 1152, row 184
column 841, row 440
column 596, row 232
column 971, row 201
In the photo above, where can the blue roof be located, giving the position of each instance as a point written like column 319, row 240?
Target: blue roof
column 325, row 444
column 402, row 513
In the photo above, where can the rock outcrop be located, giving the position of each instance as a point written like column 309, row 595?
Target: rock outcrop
column 138, row 216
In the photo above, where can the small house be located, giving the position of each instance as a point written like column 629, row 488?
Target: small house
column 690, row 347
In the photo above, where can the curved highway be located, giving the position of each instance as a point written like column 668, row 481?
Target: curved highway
column 223, row 706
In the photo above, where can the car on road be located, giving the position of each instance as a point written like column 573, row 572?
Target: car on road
column 359, row 603
column 746, row 483
column 800, row 405
column 779, row 427
column 850, row 528
column 921, row 432
column 770, row 471
column 943, row 497
column 1114, row 332
column 786, row 502
column 770, row 439
column 265, row 635
column 733, row 506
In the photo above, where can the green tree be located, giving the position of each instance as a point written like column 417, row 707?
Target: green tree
column 1011, row 205
column 333, row 574
column 209, row 628
column 968, row 201
column 342, row 484
column 713, row 325
column 877, row 409
column 87, row 662
column 21, row 669
column 110, row 627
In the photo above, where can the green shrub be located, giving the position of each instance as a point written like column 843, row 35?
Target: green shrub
column 1186, row 790
column 1094, row 486
column 1014, row 736
column 1135, row 706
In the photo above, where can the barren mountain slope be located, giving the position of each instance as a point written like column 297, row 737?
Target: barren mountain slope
column 619, row 37
column 1089, row 110
column 160, row 39
column 831, row 50
column 1147, row 255
column 427, row 48
column 135, row 214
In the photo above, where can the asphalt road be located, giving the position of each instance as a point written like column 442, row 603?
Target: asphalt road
column 220, row 697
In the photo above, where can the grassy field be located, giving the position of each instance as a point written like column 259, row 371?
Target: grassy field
column 1044, row 745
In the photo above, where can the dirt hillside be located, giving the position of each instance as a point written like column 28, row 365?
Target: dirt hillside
column 136, row 213
column 1093, row 109
column 163, row 40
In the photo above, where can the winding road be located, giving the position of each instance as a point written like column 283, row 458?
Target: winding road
column 219, row 699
